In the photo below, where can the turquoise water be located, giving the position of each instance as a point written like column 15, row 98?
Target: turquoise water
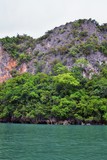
column 52, row 142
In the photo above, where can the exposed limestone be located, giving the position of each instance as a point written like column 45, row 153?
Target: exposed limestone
column 7, row 64
column 23, row 68
column 54, row 47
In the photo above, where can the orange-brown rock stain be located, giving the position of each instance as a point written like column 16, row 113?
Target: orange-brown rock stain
column 11, row 64
column 5, row 77
column 23, row 68
column 6, row 70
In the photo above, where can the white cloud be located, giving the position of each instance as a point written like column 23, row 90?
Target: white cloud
column 35, row 17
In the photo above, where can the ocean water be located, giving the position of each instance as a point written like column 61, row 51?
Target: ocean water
column 52, row 142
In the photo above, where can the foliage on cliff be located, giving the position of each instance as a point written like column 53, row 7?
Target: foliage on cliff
column 66, row 44
column 17, row 47
column 66, row 75
column 36, row 98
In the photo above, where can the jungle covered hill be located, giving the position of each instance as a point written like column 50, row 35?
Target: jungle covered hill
column 58, row 78
column 43, row 98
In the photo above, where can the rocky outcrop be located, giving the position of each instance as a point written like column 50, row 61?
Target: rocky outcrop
column 23, row 68
column 7, row 64
column 55, row 47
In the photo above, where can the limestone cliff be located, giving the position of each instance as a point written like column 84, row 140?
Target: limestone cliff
column 80, row 43
column 7, row 65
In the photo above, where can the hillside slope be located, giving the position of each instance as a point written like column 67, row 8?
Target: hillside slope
column 60, row 78
column 83, row 40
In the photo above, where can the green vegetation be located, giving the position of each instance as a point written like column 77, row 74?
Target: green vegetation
column 62, row 95
column 73, row 51
column 91, row 45
column 83, row 34
column 17, row 47
column 77, row 23
column 77, row 95
column 103, row 28
column 103, row 47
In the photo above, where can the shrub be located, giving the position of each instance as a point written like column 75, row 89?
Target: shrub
column 62, row 31
column 103, row 27
column 83, row 34
column 17, row 46
column 76, row 24
column 103, row 47
column 73, row 51
column 75, row 33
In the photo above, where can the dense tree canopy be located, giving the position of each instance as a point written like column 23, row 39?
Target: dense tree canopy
column 69, row 81
column 62, row 96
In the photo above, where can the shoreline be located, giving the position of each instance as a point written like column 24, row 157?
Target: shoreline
column 48, row 122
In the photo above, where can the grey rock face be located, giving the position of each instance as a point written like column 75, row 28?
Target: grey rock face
column 54, row 47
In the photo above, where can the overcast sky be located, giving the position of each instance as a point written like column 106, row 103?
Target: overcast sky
column 35, row 17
